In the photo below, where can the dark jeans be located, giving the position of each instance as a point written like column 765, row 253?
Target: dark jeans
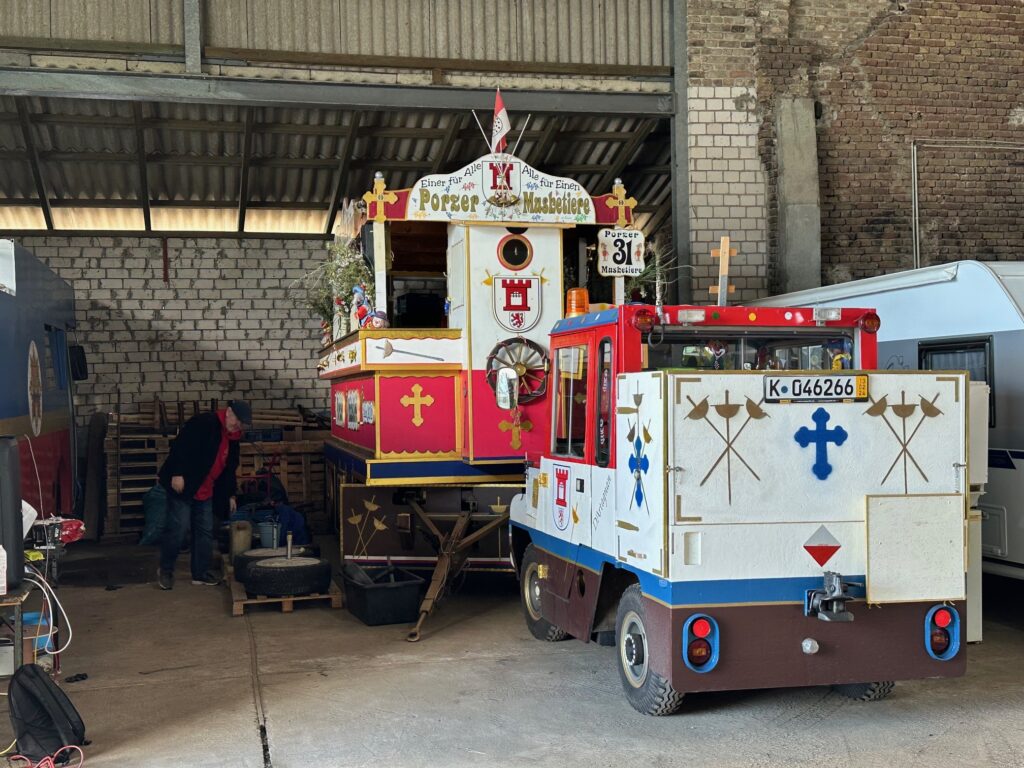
column 181, row 515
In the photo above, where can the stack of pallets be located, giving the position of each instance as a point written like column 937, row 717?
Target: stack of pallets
column 134, row 455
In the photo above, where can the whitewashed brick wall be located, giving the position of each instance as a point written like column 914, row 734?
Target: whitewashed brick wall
column 225, row 325
column 727, row 189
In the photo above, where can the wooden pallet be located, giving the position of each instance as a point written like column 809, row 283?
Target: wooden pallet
column 239, row 599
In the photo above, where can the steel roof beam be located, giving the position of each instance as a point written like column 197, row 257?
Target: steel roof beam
column 33, row 161
column 452, row 135
column 140, row 151
column 243, row 183
column 553, row 131
column 133, row 202
column 658, row 217
column 289, row 93
column 341, row 177
column 626, row 154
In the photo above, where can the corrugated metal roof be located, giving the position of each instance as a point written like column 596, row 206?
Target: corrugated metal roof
column 614, row 32
column 89, row 157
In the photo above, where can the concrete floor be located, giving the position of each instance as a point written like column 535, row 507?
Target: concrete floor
column 175, row 680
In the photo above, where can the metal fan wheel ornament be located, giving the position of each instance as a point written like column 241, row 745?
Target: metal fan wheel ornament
column 529, row 361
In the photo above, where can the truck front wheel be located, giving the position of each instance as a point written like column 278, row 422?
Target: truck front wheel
column 647, row 691
column 529, row 591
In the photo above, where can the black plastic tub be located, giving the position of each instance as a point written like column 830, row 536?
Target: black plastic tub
column 391, row 596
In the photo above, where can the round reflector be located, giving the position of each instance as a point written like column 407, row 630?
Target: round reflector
column 939, row 639
column 699, row 652
column 701, row 628
column 643, row 321
column 942, row 618
column 870, row 322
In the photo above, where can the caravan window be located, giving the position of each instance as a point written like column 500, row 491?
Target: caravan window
column 971, row 355
column 708, row 349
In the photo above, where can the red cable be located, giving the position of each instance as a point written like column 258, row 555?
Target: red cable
column 50, row 760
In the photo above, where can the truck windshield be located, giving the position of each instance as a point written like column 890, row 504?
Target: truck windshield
column 763, row 349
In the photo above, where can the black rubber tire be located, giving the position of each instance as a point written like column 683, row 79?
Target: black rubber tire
column 250, row 556
column 281, row 577
column 529, row 595
column 648, row 692
column 866, row 691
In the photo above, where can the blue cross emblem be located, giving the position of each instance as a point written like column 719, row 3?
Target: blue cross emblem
column 821, row 436
column 638, row 463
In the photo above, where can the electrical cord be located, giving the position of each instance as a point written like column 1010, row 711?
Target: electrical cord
column 50, row 760
column 51, row 597
column 39, row 483
column 48, row 593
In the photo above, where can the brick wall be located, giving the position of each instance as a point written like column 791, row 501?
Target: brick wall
column 225, row 325
column 886, row 73
column 940, row 71
column 727, row 180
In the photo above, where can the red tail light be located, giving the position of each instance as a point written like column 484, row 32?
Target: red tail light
column 701, row 643
column 870, row 323
column 942, row 632
column 643, row 320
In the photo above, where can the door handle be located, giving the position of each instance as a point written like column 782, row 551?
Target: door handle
column 579, row 485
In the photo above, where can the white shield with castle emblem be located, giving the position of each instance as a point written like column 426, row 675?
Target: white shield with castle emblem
column 501, row 181
column 517, row 302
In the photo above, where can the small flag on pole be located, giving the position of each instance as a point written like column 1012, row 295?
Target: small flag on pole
column 500, row 126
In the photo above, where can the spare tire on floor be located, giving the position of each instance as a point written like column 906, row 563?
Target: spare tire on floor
column 283, row 577
column 250, row 556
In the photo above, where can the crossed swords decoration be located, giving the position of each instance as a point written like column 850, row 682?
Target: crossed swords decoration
column 361, row 522
column 905, row 412
column 727, row 411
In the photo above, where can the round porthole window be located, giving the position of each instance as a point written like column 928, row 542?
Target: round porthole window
column 515, row 252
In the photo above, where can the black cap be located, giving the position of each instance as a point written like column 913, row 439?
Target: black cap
column 241, row 410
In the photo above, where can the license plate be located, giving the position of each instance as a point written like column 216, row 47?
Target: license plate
column 815, row 389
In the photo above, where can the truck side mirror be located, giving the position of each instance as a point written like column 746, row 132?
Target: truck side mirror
column 77, row 362
column 507, row 390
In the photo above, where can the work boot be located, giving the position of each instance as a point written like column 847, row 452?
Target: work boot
column 165, row 580
column 208, row 580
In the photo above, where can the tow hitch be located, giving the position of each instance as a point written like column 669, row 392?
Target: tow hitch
column 829, row 602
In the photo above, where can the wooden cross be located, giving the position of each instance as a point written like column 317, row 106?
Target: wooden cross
column 723, row 253
column 621, row 202
column 379, row 196
column 417, row 402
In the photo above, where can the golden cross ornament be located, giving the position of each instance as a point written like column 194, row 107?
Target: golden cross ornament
column 620, row 201
column 418, row 403
column 379, row 196
column 517, row 426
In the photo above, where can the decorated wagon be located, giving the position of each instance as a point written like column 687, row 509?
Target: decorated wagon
column 431, row 425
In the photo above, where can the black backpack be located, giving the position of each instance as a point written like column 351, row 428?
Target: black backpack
column 43, row 717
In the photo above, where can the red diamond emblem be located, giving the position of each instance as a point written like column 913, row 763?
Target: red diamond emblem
column 822, row 545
